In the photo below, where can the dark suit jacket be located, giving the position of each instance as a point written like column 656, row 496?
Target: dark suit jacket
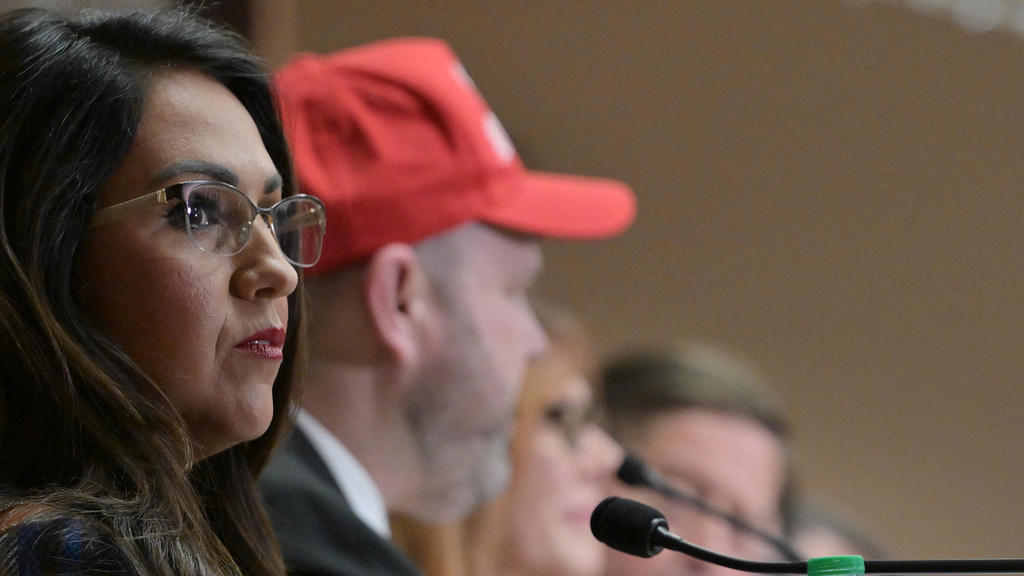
column 318, row 532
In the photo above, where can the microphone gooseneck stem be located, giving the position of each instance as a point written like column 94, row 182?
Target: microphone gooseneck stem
column 635, row 528
column 670, row 541
column 636, row 472
column 952, row 566
column 780, row 545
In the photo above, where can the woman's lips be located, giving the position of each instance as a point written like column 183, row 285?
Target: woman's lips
column 268, row 343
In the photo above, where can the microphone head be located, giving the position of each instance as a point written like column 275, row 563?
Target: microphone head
column 627, row 526
column 634, row 472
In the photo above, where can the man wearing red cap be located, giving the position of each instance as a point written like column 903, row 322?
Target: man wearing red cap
column 420, row 323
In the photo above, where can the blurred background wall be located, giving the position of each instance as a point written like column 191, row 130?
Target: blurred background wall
column 832, row 189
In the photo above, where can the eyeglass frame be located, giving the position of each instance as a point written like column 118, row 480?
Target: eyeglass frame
column 570, row 421
column 160, row 197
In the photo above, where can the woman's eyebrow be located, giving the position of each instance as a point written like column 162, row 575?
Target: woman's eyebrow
column 215, row 171
column 272, row 184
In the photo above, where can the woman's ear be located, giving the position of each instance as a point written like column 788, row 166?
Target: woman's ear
column 398, row 297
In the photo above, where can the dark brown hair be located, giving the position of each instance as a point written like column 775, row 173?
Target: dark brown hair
column 84, row 432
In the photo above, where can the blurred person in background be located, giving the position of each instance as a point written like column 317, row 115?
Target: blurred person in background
column 707, row 423
column 421, row 329
column 563, row 465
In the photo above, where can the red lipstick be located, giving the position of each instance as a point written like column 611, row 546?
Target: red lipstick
column 267, row 344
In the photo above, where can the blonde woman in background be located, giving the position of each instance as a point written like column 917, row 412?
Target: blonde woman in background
column 563, row 466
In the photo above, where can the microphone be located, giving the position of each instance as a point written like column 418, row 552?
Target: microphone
column 634, row 472
column 638, row 529
column 627, row 526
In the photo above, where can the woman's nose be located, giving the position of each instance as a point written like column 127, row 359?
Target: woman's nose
column 261, row 268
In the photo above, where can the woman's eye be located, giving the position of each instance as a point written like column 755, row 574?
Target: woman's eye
column 202, row 212
column 199, row 217
column 570, row 421
column 556, row 414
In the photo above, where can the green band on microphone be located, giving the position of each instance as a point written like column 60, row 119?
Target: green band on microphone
column 836, row 566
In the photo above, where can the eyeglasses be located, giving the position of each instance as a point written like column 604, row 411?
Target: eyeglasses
column 684, row 503
column 219, row 219
column 570, row 421
column 747, row 538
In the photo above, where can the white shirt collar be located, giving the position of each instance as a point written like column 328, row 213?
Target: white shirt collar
column 356, row 484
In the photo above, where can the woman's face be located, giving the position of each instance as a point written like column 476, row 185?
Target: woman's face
column 564, row 468
column 207, row 328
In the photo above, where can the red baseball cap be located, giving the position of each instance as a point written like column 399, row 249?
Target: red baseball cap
column 395, row 139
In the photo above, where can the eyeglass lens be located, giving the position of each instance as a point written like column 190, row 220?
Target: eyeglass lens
column 220, row 221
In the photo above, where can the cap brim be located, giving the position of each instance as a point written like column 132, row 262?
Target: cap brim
column 562, row 206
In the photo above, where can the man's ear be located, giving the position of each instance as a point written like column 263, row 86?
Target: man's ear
column 398, row 299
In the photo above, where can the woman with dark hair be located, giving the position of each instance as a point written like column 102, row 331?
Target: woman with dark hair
column 150, row 240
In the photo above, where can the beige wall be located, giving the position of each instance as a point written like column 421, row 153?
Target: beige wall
column 831, row 188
